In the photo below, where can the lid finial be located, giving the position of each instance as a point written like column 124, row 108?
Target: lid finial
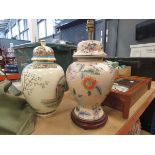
column 43, row 42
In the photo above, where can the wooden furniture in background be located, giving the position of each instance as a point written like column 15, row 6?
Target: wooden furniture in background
column 123, row 101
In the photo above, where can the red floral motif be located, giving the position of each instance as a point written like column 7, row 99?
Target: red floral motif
column 89, row 83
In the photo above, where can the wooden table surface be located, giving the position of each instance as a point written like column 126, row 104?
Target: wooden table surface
column 61, row 124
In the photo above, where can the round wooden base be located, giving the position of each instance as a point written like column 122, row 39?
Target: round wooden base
column 89, row 124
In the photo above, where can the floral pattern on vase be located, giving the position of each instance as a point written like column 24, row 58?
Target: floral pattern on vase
column 90, row 87
column 32, row 80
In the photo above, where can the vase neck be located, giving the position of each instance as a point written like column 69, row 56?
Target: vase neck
column 43, row 62
column 90, row 59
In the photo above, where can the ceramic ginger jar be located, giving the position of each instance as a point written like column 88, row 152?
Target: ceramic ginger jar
column 90, row 80
column 43, row 81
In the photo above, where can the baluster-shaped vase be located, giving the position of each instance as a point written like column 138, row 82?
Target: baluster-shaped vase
column 43, row 81
column 90, row 80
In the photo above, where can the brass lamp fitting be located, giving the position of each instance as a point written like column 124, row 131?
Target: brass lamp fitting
column 90, row 28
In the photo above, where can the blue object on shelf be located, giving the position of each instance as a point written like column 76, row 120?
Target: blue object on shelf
column 11, row 68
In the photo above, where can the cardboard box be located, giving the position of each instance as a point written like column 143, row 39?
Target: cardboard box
column 123, row 71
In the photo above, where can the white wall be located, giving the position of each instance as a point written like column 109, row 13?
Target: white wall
column 126, row 36
column 121, row 35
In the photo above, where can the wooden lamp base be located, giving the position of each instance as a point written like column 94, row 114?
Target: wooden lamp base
column 89, row 124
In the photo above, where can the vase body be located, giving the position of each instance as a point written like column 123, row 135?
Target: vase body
column 90, row 80
column 43, row 86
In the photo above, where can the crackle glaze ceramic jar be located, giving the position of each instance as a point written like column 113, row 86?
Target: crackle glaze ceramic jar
column 43, row 81
column 90, row 80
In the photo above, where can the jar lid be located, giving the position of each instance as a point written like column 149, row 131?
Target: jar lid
column 43, row 53
column 90, row 48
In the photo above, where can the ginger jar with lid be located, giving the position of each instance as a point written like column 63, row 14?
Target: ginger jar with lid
column 43, row 81
column 90, row 80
